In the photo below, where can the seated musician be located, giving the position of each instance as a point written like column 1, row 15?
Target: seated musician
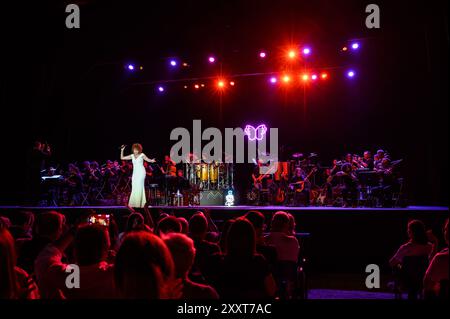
column 379, row 157
column 367, row 161
column 350, row 185
column 88, row 174
column 259, row 180
column 301, row 186
column 74, row 183
column 388, row 183
column 109, row 176
column 169, row 167
column 182, row 182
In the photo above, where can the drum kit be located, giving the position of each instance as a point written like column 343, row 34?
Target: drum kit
column 210, row 176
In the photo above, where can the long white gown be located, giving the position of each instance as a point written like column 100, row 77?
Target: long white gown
column 137, row 197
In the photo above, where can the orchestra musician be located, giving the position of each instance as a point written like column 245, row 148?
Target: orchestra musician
column 74, row 183
column 367, row 161
column 388, row 183
column 169, row 167
column 36, row 164
column 301, row 185
column 350, row 185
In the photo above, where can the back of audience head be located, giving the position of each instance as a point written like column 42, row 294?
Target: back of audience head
column 144, row 267
column 50, row 225
column 446, row 236
column 25, row 220
column 91, row 244
column 223, row 237
column 9, row 288
column 292, row 224
column 184, row 225
column 241, row 241
column 183, row 253
column 135, row 221
column 280, row 223
column 198, row 226
column 417, row 232
column 5, row 222
column 169, row 224
column 257, row 219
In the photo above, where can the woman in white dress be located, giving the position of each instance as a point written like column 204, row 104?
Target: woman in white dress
column 137, row 197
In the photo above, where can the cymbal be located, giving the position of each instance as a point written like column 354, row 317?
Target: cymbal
column 297, row 155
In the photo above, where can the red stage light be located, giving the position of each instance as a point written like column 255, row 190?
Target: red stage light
column 221, row 84
column 305, row 77
column 286, row 78
column 196, row 86
column 324, row 76
column 292, row 54
column 232, row 83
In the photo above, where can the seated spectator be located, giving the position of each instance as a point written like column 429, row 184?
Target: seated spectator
column 5, row 222
column 243, row 273
column 292, row 224
column 135, row 222
column 417, row 244
column 144, row 268
column 281, row 238
column 438, row 269
column 169, row 224
column 23, row 226
column 223, row 236
column 14, row 281
column 269, row 252
column 48, row 228
column 198, row 228
column 184, row 225
column 183, row 254
column 91, row 251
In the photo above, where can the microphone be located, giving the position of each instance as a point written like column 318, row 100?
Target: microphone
column 122, row 146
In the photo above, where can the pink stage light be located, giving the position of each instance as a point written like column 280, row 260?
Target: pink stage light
column 255, row 133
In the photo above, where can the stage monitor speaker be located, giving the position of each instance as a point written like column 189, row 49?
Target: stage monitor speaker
column 212, row 198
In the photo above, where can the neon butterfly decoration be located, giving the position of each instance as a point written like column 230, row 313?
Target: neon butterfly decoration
column 255, row 133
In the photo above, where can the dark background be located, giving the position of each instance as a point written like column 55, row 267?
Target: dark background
column 70, row 88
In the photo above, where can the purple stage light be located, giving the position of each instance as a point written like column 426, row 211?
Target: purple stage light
column 211, row 59
column 314, row 77
column 262, row 54
column 355, row 46
column 130, row 67
column 351, row 74
column 306, row 51
column 273, row 80
column 173, row 63
column 160, row 89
